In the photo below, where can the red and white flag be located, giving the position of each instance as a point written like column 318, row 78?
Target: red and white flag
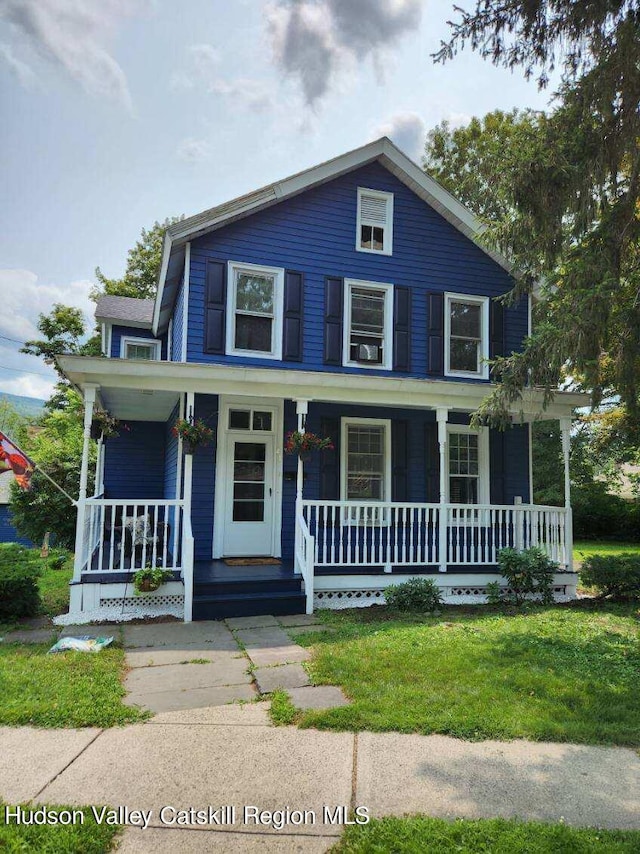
column 15, row 460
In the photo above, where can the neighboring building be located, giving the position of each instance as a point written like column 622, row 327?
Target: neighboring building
column 8, row 533
column 351, row 299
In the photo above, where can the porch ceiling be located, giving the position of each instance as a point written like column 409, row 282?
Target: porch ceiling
column 168, row 379
column 130, row 404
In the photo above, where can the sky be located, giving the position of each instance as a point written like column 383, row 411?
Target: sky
column 118, row 113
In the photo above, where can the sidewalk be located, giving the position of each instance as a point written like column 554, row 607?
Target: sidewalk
column 232, row 755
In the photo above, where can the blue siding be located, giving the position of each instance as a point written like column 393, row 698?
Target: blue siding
column 118, row 332
column 315, row 233
column 8, row 533
column 134, row 463
column 171, row 456
column 177, row 326
column 204, row 474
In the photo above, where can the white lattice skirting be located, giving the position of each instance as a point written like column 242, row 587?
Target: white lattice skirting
column 336, row 599
column 138, row 602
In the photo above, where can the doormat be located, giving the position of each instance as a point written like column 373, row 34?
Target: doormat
column 252, row 561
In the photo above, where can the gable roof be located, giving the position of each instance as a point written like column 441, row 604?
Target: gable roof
column 382, row 150
column 126, row 310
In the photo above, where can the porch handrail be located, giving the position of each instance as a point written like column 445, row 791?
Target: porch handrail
column 304, row 558
column 392, row 533
column 187, row 567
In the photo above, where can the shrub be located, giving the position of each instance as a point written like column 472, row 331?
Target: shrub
column 617, row 576
column 598, row 515
column 19, row 594
column 417, row 594
column 529, row 572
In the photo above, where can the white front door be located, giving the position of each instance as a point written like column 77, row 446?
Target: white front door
column 251, row 486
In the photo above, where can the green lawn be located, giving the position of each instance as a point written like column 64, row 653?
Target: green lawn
column 586, row 548
column 416, row 835
column 79, row 838
column 558, row 673
column 69, row 689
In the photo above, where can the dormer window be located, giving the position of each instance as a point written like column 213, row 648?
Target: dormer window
column 375, row 222
column 139, row 348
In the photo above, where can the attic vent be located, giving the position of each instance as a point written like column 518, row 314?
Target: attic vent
column 375, row 221
column 373, row 209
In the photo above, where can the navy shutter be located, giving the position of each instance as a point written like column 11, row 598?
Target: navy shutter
column 399, row 461
column 292, row 321
column 496, row 466
column 432, row 454
column 435, row 353
column 401, row 329
column 333, row 308
column 330, row 460
column 496, row 329
column 214, row 306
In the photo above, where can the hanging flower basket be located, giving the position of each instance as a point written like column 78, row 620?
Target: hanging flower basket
column 194, row 434
column 304, row 444
column 106, row 425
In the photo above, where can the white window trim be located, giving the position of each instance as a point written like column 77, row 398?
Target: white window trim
column 129, row 339
column 278, row 299
column 369, row 422
column 387, row 363
column 388, row 226
column 484, row 470
column 483, row 372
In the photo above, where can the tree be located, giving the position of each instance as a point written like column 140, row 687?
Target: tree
column 575, row 225
column 57, row 448
column 143, row 266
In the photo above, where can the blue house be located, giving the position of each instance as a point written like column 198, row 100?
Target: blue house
column 353, row 301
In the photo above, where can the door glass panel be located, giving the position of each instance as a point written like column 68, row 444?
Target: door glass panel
column 248, row 481
column 262, row 421
column 253, row 333
column 239, row 419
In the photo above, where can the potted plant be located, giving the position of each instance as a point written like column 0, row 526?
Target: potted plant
column 193, row 433
column 106, row 425
column 150, row 578
column 304, row 444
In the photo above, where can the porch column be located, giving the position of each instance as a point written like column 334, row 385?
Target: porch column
column 187, row 550
column 565, row 428
column 89, row 400
column 442, row 415
column 302, row 410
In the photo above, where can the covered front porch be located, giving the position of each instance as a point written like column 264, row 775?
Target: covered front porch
column 155, row 505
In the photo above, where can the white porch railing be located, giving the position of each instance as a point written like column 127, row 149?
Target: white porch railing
column 127, row 535
column 304, row 558
column 391, row 534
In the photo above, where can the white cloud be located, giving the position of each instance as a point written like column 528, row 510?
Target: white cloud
column 71, row 34
column 317, row 40
column 202, row 71
column 24, row 298
column 407, row 130
column 24, row 73
column 193, row 150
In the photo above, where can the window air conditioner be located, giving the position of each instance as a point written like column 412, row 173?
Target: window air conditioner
column 368, row 353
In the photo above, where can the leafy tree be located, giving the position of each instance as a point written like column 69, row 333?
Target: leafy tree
column 57, row 448
column 575, row 225
column 11, row 422
column 143, row 266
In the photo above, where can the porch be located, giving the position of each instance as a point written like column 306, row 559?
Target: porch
column 156, row 505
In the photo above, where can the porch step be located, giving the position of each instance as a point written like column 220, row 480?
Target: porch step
column 222, row 605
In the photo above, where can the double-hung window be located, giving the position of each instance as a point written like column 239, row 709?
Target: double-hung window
column 139, row 348
column 365, row 465
column 368, row 323
column 255, row 311
column 468, row 481
column 374, row 230
column 466, row 336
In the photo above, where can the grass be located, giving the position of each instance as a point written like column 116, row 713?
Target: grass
column 586, row 548
column 69, row 689
column 415, row 835
column 79, row 838
column 562, row 673
column 282, row 711
column 52, row 583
